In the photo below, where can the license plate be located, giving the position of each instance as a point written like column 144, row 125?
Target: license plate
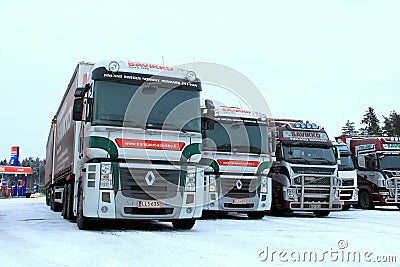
column 315, row 206
column 149, row 204
column 239, row 201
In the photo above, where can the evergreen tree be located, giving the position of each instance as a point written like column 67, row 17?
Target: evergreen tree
column 371, row 123
column 3, row 162
column 392, row 124
column 349, row 129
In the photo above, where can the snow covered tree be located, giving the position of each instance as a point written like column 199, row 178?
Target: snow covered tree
column 371, row 123
column 392, row 124
column 349, row 129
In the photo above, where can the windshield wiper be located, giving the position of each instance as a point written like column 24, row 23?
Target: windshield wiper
column 161, row 126
column 298, row 160
column 224, row 147
column 328, row 162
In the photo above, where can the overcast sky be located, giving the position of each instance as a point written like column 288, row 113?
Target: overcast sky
column 323, row 61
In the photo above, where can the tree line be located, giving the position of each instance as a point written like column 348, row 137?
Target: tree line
column 371, row 125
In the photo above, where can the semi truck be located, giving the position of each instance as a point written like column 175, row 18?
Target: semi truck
column 347, row 174
column 236, row 159
column 378, row 170
column 304, row 171
column 125, row 144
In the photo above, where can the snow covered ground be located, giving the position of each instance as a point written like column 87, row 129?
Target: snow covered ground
column 32, row 235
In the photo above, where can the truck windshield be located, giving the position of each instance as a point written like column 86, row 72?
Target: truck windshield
column 389, row 162
column 236, row 136
column 146, row 107
column 346, row 163
column 309, row 154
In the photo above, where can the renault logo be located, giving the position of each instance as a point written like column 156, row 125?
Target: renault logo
column 150, row 178
column 239, row 184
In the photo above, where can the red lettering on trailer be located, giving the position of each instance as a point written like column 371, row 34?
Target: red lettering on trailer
column 241, row 163
column 149, row 144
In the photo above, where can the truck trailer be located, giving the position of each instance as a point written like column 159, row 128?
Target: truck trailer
column 304, row 172
column 125, row 145
column 236, row 159
column 378, row 169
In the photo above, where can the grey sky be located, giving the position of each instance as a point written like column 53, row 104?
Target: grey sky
column 325, row 61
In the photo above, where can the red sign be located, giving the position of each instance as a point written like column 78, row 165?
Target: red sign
column 15, row 170
column 149, row 144
column 242, row 163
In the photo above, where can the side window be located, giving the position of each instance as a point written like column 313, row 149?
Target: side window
column 89, row 107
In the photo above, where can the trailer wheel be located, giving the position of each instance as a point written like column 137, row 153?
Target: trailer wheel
column 82, row 222
column 346, row 207
column 183, row 224
column 365, row 201
column 255, row 215
column 321, row 213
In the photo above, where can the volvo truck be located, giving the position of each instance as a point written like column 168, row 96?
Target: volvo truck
column 125, row 144
column 304, row 172
column 236, row 159
column 378, row 170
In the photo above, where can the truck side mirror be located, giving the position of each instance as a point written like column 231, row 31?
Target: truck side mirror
column 207, row 123
column 210, row 109
column 77, row 109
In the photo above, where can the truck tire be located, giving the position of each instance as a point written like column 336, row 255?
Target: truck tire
column 321, row 213
column 82, row 222
column 346, row 207
column 48, row 197
column 365, row 200
column 67, row 212
column 54, row 206
column 255, row 215
column 70, row 202
column 64, row 202
column 183, row 224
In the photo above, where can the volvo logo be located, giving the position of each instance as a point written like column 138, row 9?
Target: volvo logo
column 150, row 178
column 239, row 184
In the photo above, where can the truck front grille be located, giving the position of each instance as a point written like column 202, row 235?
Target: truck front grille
column 247, row 187
column 164, row 186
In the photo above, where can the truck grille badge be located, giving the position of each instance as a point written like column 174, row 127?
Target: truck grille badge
column 239, row 184
column 150, row 178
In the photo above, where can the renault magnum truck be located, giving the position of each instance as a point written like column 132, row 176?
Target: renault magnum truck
column 347, row 174
column 125, row 144
column 378, row 170
column 304, row 172
column 236, row 159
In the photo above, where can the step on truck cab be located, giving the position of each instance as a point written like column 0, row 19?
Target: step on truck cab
column 236, row 159
column 347, row 174
column 378, row 170
column 304, row 172
column 125, row 144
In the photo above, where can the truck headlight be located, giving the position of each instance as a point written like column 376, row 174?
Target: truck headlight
column 213, row 184
column 106, row 181
column 290, row 193
column 264, row 185
column 190, row 181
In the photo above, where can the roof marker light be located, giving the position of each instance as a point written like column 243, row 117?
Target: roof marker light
column 303, row 125
column 191, row 76
column 314, row 125
column 113, row 66
column 297, row 125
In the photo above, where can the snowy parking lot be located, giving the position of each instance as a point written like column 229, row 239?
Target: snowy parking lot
column 32, row 235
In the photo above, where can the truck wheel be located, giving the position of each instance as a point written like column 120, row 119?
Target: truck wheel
column 64, row 202
column 365, row 201
column 346, row 207
column 255, row 215
column 321, row 213
column 183, row 224
column 70, row 202
column 48, row 197
column 82, row 222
